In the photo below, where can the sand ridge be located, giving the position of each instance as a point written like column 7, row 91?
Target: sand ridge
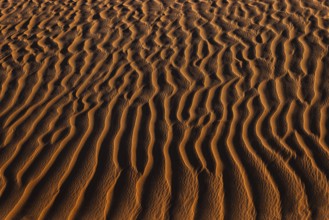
column 164, row 109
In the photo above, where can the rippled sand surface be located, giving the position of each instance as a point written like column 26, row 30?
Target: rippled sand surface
column 164, row 109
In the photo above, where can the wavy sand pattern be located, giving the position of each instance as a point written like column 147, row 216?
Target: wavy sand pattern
column 164, row 109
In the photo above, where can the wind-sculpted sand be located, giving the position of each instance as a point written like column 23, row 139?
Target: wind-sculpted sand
column 164, row 109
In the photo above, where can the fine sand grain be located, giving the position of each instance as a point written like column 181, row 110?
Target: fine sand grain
column 164, row 109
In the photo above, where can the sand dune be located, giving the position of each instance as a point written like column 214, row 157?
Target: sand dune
column 164, row 109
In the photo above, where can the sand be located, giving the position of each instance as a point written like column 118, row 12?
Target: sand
column 164, row 109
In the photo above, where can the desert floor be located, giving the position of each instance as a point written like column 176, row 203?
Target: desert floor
column 164, row 109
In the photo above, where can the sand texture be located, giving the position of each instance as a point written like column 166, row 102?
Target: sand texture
column 164, row 109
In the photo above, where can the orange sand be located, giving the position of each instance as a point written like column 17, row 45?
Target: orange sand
column 164, row 109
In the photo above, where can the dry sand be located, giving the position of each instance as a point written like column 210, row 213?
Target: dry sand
column 164, row 109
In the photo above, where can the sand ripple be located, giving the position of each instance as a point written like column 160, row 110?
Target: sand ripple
column 164, row 109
